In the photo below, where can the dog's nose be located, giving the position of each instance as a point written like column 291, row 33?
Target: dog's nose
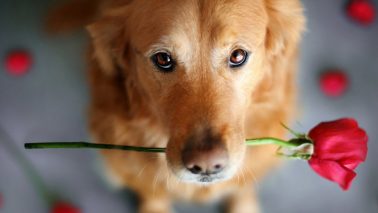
column 205, row 161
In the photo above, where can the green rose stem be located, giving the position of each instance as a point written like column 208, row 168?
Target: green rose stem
column 268, row 140
column 73, row 145
column 27, row 167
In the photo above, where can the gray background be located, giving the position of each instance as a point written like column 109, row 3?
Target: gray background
column 49, row 103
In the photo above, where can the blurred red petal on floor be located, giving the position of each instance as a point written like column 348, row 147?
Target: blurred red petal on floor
column 18, row 62
column 334, row 83
column 63, row 207
column 361, row 11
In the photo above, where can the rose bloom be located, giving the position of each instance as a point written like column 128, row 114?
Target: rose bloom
column 339, row 147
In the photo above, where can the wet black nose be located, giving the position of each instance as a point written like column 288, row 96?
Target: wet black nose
column 207, row 156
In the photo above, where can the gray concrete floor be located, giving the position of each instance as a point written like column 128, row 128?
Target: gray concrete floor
column 50, row 103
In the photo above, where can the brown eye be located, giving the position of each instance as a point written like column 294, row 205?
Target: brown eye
column 163, row 61
column 237, row 58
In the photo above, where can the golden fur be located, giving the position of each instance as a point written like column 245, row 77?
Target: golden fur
column 134, row 104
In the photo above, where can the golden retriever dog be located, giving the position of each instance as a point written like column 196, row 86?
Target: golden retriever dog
column 197, row 77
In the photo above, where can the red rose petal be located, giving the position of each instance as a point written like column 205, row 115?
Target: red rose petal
column 361, row 11
column 18, row 62
column 333, row 171
column 62, row 207
column 340, row 140
column 333, row 83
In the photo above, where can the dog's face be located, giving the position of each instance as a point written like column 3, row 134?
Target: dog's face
column 197, row 65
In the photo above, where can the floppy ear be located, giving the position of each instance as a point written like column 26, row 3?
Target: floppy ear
column 109, row 43
column 114, row 88
column 70, row 15
column 285, row 26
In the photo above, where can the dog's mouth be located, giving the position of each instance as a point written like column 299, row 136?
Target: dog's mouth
column 205, row 178
column 209, row 179
column 185, row 176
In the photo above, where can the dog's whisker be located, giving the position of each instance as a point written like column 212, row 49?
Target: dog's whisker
column 173, row 181
column 154, row 182
column 238, row 177
column 177, row 182
column 146, row 164
column 141, row 170
column 254, row 178
column 168, row 181
column 243, row 174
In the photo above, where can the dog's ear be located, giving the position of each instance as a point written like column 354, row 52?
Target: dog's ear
column 284, row 29
column 70, row 15
column 285, row 26
column 109, row 43
column 113, row 85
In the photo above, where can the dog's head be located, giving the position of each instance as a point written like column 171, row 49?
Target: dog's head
column 196, row 66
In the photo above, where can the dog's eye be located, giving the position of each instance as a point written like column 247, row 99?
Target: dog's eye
column 163, row 61
column 237, row 58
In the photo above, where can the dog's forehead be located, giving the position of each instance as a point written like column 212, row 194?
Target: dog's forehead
column 183, row 25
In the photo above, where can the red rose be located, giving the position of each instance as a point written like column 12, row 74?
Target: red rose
column 63, row 207
column 339, row 147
